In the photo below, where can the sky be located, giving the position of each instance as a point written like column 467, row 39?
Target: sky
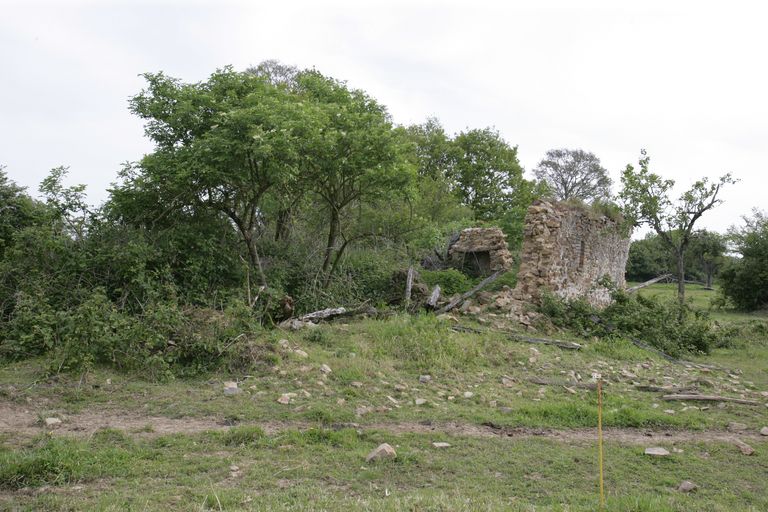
column 687, row 81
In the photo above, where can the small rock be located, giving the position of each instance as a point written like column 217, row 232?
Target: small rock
column 744, row 447
column 764, row 431
column 669, row 411
column 736, row 427
column 468, row 394
column 656, row 451
column 419, row 401
column 300, row 353
column 52, row 422
column 400, row 388
column 425, row 378
column 234, row 468
column 283, row 343
column 393, row 400
column 505, row 410
column 230, row 388
column 325, row 368
column 507, row 382
column 687, row 486
column 284, row 399
column 441, row 445
column 383, row 451
column 356, row 384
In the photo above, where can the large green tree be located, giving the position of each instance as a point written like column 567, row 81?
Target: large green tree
column 221, row 144
column 356, row 156
column 487, row 174
column 745, row 279
column 646, row 200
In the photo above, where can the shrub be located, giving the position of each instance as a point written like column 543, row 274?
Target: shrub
column 651, row 320
column 451, row 281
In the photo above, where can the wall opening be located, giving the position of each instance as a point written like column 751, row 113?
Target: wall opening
column 477, row 263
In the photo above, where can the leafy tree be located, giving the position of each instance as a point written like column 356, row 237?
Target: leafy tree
column 745, row 280
column 355, row 156
column 648, row 258
column 646, row 200
column 222, row 145
column 487, row 174
column 574, row 174
column 17, row 210
column 707, row 254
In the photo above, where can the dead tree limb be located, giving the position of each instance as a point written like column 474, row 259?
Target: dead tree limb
column 671, row 359
column 408, row 286
column 568, row 345
column 648, row 283
column 482, row 284
column 711, row 398
column 433, row 298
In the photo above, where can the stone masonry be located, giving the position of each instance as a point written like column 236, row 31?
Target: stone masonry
column 567, row 249
column 481, row 251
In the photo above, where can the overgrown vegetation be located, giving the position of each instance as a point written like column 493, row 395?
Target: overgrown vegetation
column 654, row 320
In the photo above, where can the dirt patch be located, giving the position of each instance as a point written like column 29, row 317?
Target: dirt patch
column 19, row 423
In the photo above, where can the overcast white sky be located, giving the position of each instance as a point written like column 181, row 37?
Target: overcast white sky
column 686, row 80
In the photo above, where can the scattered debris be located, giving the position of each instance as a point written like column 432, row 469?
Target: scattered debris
column 285, row 398
column 230, row 388
column 52, row 422
column 687, row 486
column 744, row 447
column 383, row 451
column 736, row 427
column 656, row 451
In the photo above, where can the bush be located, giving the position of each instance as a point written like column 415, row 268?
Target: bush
column 745, row 281
column 451, row 281
column 651, row 320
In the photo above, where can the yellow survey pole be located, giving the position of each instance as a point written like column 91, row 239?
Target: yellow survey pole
column 600, row 438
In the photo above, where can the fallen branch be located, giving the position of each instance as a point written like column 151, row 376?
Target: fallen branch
column 648, row 283
column 671, row 359
column 547, row 382
column 482, row 284
column 664, row 389
column 568, row 345
column 711, row 398
column 329, row 313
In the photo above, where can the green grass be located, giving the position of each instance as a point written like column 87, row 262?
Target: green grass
column 326, row 470
column 373, row 385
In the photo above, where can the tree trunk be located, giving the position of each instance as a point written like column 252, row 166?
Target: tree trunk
column 253, row 255
column 333, row 234
column 680, row 283
column 283, row 224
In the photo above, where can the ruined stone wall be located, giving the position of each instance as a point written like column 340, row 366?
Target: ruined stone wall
column 484, row 248
column 566, row 250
